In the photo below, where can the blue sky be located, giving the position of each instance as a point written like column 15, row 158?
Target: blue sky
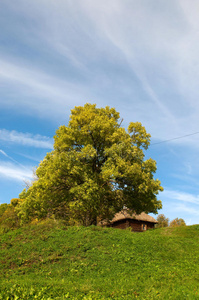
column 140, row 57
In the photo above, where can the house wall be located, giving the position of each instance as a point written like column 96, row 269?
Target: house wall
column 134, row 224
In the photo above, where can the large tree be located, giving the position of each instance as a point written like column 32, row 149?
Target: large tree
column 96, row 167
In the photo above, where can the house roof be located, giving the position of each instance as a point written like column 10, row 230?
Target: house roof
column 126, row 214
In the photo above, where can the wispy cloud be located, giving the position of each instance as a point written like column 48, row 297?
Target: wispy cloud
column 181, row 196
column 161, row 55
column 189, row 210
column 188, row 213
column 159, row 59
column 39, row 92
column 2, row 152
column 10, row 158
column 13, row 172
column 25, row 139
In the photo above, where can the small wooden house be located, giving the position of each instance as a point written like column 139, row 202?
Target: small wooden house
column 124, row 219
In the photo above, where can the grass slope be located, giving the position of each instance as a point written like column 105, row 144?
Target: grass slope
column 50, row 261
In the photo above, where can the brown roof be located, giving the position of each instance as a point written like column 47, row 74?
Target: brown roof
column 126, row 214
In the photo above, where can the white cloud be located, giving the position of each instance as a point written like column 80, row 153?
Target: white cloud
column 180, row 204
column 2, row 152
column 188, row 213
column 157, row 42
column 188, row 210
column 13, row 172
column 181, row 196
column 25, row 139
column 138, row 56
column 30, row 80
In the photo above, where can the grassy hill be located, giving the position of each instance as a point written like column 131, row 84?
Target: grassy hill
column 52, row 261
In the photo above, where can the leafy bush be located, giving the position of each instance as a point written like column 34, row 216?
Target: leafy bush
column 177, row 222
column 162, row 221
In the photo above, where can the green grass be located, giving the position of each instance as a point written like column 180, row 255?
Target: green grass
column 51, row 261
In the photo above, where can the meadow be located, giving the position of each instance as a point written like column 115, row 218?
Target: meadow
column 52, row 261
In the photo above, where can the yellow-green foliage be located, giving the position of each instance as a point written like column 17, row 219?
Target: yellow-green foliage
column 3, row 208
column 9, row 218
column 96, row 167
column 162, row 221
column 177, row 222
column 15, row 201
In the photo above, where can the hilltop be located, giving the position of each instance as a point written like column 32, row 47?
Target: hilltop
column 52, row 261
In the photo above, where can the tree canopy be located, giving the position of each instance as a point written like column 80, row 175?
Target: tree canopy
column 95, row 169
column 177, row 222
column 162, row 221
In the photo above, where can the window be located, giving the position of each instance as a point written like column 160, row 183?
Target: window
column 144, row 227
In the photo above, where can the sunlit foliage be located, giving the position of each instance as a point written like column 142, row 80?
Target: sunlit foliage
column 95, row 169
column 162, row 221
column 177, row 222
